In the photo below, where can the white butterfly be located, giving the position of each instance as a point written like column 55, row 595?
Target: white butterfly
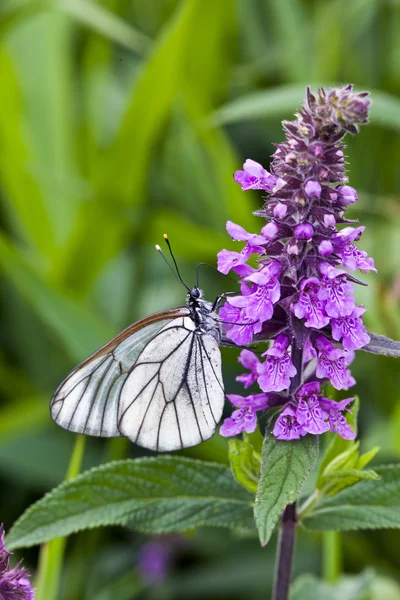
column 158, row 383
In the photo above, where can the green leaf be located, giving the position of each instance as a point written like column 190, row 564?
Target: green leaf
column 339, row 480
column 254, row 439
column 106, row 23
column 380, row 344
column 368, row 505
column 152, row 495
column 285, row 467
column 245, row 464
column 77, row 328
column 367, row 457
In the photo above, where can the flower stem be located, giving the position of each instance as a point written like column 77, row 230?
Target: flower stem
column 331, row 556
column 52, row 554
column 285, row 553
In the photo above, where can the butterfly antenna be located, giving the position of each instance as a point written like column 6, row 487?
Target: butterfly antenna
column 175, row 272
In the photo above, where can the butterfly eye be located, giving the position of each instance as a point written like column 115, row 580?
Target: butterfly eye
column 195, row 292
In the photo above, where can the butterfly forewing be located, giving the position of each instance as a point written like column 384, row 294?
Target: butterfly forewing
column 87, row 400
column 173, row 396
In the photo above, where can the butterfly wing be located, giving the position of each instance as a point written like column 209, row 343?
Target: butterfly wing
column 173, row 396
column 87, row 400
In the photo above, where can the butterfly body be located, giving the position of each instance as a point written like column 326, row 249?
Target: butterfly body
column 158, row 383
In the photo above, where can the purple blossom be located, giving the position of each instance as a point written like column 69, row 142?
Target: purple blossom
column 154, row 561
column 250, row 361
column 244, row 419
column 309, row 413
column 239, row 328
column 277, row 369
column 336, row 292
column 287, row 427
column 309, row 306
column 255, row 177
column 336, row 420
column 332, row 364
column 351, row 330
column 14, row 583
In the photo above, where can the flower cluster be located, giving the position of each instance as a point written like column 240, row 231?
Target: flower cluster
column 300, row 294
column 14, row 583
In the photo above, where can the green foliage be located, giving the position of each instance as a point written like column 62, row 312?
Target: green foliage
column 342, row 465
column 245, row 463
column 153, row 495
column 367, row 586
column 285, row 467
column 367, row 505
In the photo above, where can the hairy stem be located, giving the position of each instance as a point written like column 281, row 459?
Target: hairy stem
column 285, row 553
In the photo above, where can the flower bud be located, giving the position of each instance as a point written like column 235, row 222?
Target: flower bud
column 329, row 221
column 313, row 188
column 325, row 248
column 304, row 231
column 348, row 195
column 280, row 210
column 292, row 248
column 269, row 230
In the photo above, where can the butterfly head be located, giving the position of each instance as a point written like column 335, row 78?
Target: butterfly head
column 194, row 294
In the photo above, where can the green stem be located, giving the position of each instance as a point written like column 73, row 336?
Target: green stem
column 52, row 553
column 331, row 556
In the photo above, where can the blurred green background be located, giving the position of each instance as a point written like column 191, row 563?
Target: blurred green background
column 123, row 119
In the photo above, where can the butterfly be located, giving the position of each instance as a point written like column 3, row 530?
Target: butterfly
column 158, row 383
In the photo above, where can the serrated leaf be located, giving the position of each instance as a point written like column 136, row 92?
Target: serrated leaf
column 245, row 464
column 368, row 505
column 380, row 344
column 152, row 495
column 285, row 467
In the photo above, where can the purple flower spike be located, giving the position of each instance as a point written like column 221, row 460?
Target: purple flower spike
column 287, row 426
column 14, row 583
column 277, row 369
column 309, row 412
column 304, row 231
column 300, row 296
column 332, row 364
column 309, row 305
column 351, row 330
column 254, row 177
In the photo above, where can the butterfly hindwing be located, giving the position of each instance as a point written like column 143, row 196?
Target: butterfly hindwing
column 88, row 398
column 173, row 396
